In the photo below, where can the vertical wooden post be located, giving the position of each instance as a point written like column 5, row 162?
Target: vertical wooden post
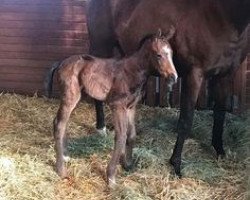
column 150, row 91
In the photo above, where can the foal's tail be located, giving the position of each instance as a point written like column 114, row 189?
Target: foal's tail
column 48, row 82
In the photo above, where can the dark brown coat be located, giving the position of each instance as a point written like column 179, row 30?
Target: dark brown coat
column 210, row 41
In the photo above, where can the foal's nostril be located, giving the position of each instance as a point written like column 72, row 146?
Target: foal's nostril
column 172, row 78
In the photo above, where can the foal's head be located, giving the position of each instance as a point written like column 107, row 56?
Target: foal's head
column 160, row 54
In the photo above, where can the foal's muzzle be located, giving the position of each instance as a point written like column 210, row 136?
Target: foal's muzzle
column 171, row 80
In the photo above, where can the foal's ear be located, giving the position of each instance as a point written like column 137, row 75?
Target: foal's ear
column 171, row 32
column 159, row 33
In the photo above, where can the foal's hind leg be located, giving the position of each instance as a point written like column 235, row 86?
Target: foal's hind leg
column 68, row 103
column 126, row 159
column 120, row 125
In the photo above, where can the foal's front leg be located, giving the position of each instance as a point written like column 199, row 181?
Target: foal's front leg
column 67, row 105
column 120, row 125
column 126, row 159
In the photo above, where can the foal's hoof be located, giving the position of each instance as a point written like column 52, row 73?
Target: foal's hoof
column 102, row 131
column 66, row 158
column 127, row 166
column 63, row 174
column 220, row 153
column 111, row 183
column 221, row 156
column 177, row 167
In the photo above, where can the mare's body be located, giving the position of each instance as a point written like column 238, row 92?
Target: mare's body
column 210, row 41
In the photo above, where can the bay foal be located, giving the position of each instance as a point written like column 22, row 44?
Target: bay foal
column 118, row 82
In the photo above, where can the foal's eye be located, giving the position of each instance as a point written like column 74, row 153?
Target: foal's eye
column 158, row 56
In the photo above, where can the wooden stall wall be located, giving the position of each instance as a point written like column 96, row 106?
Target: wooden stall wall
column 33, row 35
column 247, row 83
column 247, row 76
column 36, row 33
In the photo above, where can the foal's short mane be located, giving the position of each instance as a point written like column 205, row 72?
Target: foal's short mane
column 87, row 57
column 150, row 37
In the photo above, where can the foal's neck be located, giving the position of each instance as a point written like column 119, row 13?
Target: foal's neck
column 138, row 63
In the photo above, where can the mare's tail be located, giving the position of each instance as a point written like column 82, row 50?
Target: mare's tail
column 48, row 83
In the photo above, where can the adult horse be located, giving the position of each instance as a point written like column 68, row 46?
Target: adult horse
column 210, row 41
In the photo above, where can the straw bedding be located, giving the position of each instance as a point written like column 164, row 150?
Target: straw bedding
column 27, row 155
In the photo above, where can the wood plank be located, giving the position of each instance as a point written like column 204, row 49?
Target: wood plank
column 26, row 86
column 26, row 78
column 43, row 2
column 23, row 91
column 44, row 25
column 37, row 17
column 24, row 63
column 44, row 49
column 248, row 75
column 150, row 91
column 163, row 93
column 176, row 93
column 248, row 82
column 36, row 34
column 242, row 87
column 44, row 9
column 248, row 99
column 23, row 70
column 35, row 56
column 42, row 41
column 247, row 90
column 248, row 60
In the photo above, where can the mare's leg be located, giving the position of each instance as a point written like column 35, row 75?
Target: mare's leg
column 102, row 43
column 191, row 84
column 100, row 118
column 220, row 87
column 101, row 50
column 120, row 125
column 126, row 159
column 68, row 103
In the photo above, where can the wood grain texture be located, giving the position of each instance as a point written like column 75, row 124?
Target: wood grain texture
column 33, row 35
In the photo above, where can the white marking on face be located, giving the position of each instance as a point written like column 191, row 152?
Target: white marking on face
column 168, row 51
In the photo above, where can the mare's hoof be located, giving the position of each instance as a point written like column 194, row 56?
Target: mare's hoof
column 221, row 156
column 220, row 153
column 177, row 167
column 102, row 131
